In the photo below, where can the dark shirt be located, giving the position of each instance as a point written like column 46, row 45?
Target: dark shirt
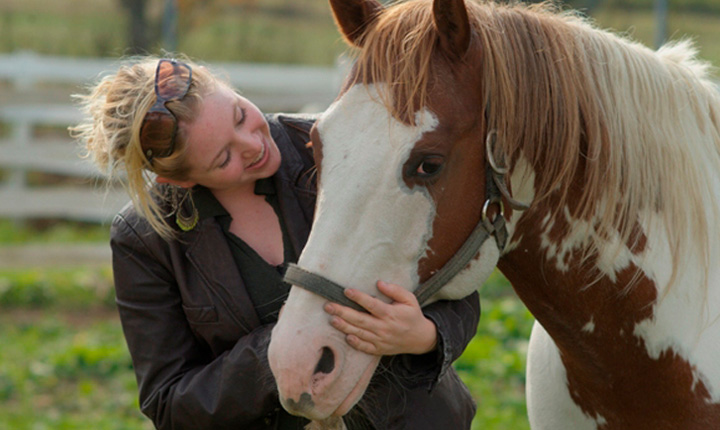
column 262, row 280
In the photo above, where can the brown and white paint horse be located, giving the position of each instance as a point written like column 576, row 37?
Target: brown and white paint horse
column 614, row 146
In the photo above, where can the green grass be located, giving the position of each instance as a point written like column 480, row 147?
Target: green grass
column 60, row 374
column 64, row 363
column 13, row 233
column 280, row 31
column 262, row 31
column 62, row 288
column 493, row 364
column 66, row 27
column 702, row 28
column 265, row 36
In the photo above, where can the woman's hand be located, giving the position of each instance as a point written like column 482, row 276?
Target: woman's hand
column 392, row 328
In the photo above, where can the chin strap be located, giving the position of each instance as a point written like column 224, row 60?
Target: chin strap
column 495, row 189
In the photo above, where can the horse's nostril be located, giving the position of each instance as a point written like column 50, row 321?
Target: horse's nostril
column 327, row 361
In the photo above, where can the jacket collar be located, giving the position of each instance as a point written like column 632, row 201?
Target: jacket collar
column 294, row 183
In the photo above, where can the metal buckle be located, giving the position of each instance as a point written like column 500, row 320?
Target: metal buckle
column 489, row 153
column 485, row 208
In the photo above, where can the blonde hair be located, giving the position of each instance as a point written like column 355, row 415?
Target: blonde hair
column 115, row 108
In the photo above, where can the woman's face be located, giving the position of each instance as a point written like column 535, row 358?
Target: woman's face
column 229, row 144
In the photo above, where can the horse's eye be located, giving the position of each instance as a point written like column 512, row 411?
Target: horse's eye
column 429, row 166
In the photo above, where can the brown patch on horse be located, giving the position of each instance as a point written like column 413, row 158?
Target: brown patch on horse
column 451, row 191
column 609, row 371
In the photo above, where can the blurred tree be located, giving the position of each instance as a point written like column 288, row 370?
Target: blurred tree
column 169, row 25
column 194, row 13
column 138, row 39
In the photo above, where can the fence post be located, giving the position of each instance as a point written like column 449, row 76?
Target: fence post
column 169, row 25
column 661, row 8
column 21, row 135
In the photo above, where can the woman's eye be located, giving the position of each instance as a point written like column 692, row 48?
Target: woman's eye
column 226, row 161
column 241, row 117
column 429, row 166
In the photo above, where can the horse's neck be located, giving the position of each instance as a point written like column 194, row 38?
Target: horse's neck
column 614, row 308
column 573, row 294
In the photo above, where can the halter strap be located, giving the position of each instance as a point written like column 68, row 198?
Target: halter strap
column 319, row 285
column 334, row 292
column 495, row 189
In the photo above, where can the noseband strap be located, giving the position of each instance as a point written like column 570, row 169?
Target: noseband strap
column 334, row 292
column 319, row 285
column 495, row 189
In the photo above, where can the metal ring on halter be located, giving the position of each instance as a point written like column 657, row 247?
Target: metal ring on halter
column 489, row 148
column 487, row 205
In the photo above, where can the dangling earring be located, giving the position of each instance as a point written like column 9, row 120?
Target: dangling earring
column 186, row 222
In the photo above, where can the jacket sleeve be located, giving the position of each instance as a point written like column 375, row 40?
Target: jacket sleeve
column 182, row 385
column 456, row 322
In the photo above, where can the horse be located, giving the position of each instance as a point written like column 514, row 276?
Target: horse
column 595, row 158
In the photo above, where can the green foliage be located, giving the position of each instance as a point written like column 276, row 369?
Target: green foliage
column 64, row 363
column 62, row 27
column 51, row 232
column 281, row 31
column 265, row 36
column 62, row 374
column 695, row 6
column 493, row 364
column 67, row 288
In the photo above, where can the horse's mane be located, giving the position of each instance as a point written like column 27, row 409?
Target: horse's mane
column 642, row 129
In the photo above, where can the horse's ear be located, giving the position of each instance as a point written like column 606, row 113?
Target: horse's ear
column 453, row 25
column 353, row 16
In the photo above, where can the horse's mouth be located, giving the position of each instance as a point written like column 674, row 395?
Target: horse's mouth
column 319, row 406
column 356, row 393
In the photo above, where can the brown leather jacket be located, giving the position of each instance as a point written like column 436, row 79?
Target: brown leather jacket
column 197, row 345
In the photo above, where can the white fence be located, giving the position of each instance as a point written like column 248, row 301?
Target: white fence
column 34, row 95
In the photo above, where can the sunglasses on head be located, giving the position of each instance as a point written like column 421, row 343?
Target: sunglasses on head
column 159, row 127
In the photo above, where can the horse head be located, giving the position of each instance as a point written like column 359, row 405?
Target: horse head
column 614, row 145
column 403, row 180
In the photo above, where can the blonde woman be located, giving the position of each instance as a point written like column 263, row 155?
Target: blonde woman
column 222, row 198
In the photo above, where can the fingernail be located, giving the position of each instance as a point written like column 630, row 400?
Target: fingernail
column 349, row 292
column 329, row 308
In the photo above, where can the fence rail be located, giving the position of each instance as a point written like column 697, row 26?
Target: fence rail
column 35, row 96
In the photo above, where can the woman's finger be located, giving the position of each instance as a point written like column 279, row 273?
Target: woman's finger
column 371, row 304
column 351, row 316
column 397, row 293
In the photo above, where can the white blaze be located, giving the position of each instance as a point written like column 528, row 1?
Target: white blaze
column 368, row 224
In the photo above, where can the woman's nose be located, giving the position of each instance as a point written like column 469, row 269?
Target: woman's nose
column 250, row 146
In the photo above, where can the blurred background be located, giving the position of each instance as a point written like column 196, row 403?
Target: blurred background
column 63, row 360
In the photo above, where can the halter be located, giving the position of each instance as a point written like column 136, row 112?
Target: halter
column 495, row 189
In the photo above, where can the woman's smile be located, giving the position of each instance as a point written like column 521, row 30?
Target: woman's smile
column 259, row 161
